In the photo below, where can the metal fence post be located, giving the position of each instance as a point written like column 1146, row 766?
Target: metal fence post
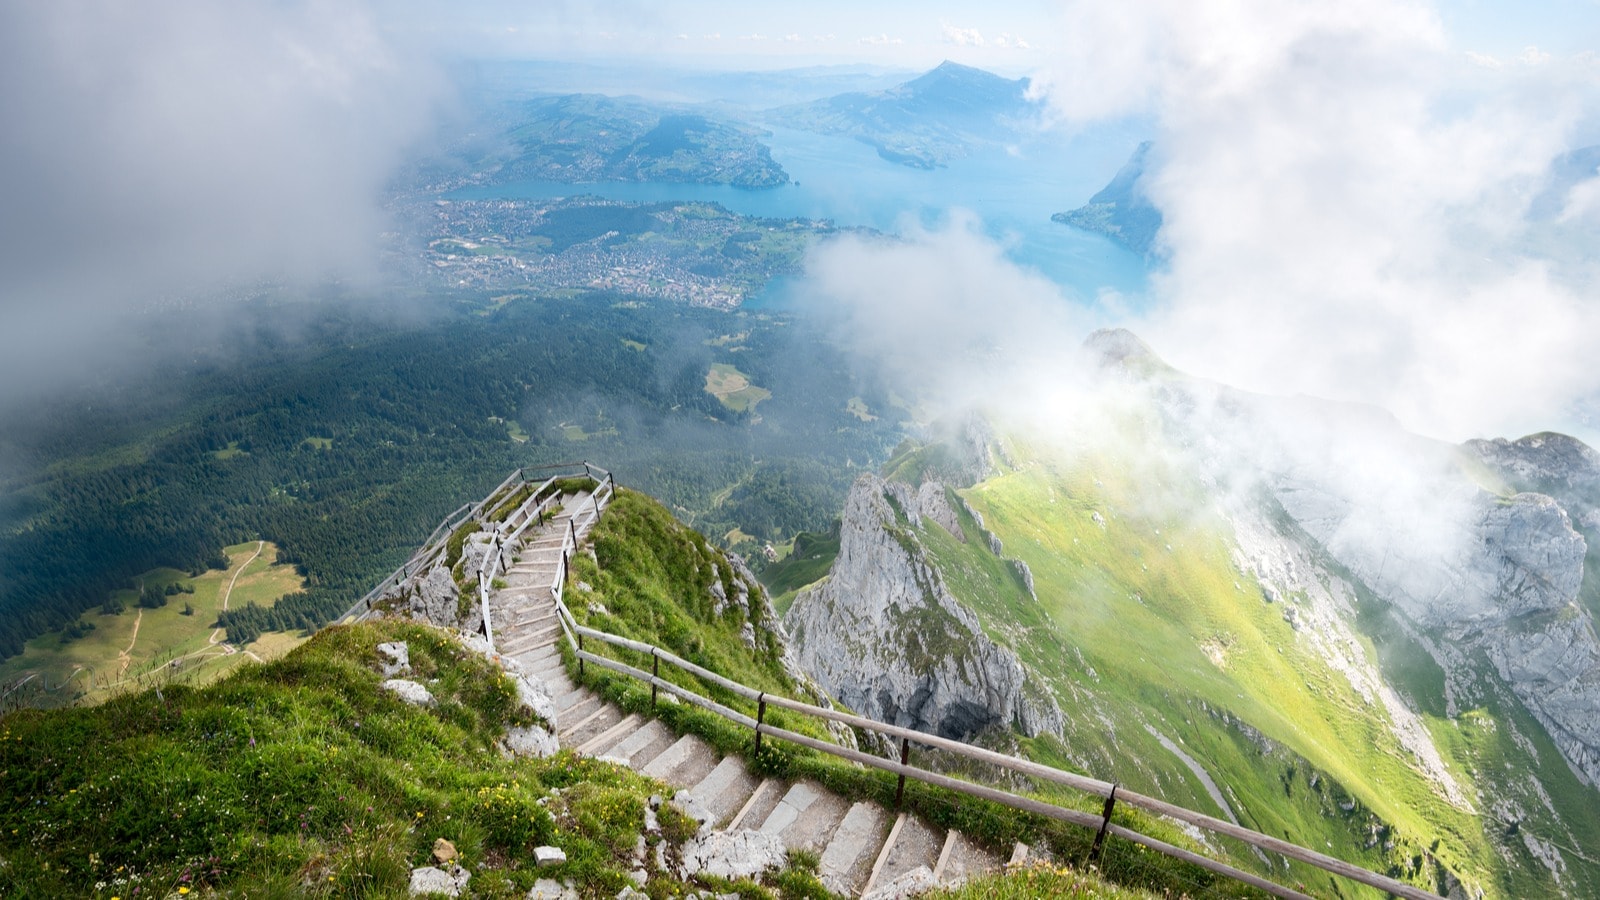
column 761, row 717
column 1105, row 823
column 655, row 673
column 905, row 754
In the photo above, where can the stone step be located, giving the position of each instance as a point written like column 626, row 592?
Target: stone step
column 756, row 807
column 683, row 764
column 542, row 663
column 528, row 640
column 961, row 860
column 652, row 734
column 523, row 617
column 580, row 710
column 609, row 736
column 556, row 682
column 806, row 816
column 914, row 844
column 853, row 848
column 574, row 698
column 604, row 716
column 725, row 788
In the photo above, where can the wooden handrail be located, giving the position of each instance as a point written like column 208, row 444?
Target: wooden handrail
column 574, row 632
column 1024, row 767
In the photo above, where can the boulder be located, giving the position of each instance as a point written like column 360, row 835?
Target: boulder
column 732, row 854
column 397, row 658
column 432, row 880
column 409, row 691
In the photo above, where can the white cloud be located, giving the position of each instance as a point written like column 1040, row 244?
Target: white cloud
column 942, row 309
column 1484, row 60
column 1533, row 56
column 752, row 37
column 164, row 147
column 793, row 38
column 962, row 37
column 879, row 40
column 1343, row 209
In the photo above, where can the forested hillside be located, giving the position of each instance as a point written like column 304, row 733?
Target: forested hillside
column 346, row 443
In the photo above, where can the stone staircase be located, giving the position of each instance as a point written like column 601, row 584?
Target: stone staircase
column 863, row 847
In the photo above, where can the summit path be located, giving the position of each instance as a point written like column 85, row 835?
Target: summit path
column 863, row 847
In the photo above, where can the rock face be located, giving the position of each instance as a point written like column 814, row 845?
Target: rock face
column 1475, row 574
column 884, row 636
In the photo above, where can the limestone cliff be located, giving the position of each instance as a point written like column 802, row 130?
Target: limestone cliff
column 884, row 635
column 1475, row 574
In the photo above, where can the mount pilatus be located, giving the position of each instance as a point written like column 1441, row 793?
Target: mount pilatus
column 1289, row 611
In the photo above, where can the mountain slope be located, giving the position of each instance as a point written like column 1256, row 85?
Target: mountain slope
column 1120, row 210
column 590, row 137
column 1232, row 613
column 925, row 122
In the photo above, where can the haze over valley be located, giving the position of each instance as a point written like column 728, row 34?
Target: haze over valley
column 1198, row 398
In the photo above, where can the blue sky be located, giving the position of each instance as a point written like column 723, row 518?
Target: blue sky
column 1008, row 37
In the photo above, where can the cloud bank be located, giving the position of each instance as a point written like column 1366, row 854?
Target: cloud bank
column 155, row 150
column 1344, row 196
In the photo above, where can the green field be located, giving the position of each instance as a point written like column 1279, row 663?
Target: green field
column 1146, row 630
column 141, row 646
column 733, row 388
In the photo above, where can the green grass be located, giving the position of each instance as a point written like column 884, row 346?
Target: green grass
column 304, row 775
column 1142, row 621
column 733, row 389
column 114, row 658
column 316, row 442
column 1034, row 881
column 808, row 562
column 652, row 579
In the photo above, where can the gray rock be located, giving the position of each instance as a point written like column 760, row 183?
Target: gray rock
column 719, row 594
column 432, row 880
column 885, row 637
column 732, row 854
column 436, row 598
column 409, row 691
column 397, row 658
column 548, row 856
column 535, row 695
column 917, row 881
column 933, row 503
column 550, row 889
column 531, row 741
column 689, row 805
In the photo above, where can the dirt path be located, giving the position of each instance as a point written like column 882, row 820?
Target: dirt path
column 216, row 636
column 124, row 657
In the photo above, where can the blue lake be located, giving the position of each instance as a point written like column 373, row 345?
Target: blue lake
column 1012, row 193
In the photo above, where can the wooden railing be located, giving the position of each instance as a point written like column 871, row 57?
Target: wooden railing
column 581, row 520
column 540, row 501
column 428, row 553
column 1112, row 794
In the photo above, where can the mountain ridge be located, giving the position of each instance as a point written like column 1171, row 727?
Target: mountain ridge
column 1215, row 525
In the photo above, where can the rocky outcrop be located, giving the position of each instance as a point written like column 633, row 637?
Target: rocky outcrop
column 1500, row 576
column 885, row 637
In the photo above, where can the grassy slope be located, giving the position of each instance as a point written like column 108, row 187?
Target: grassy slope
column 302, row 778
column 1144, row 617
column 163, row 634
column 650, row 580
